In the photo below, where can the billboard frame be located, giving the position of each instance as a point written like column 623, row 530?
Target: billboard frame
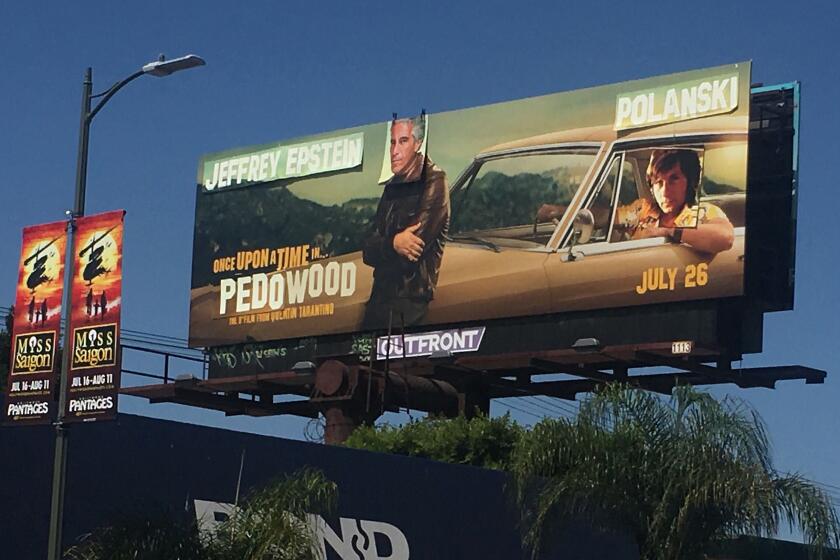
column 697, row 341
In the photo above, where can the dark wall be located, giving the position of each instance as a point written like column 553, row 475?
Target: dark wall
column 445, row 511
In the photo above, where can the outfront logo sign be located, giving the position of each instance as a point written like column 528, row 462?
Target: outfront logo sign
column 427, row 343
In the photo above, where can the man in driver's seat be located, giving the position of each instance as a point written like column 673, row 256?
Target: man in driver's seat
column 673, row 176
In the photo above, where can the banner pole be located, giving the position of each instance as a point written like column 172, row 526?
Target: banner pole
column 61, row 435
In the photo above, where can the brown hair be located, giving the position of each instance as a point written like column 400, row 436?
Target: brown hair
column 663, row 160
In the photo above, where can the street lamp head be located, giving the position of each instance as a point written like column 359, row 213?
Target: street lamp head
column 161, row 68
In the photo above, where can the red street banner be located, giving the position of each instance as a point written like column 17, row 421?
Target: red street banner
column 95, row 303
column 37, row 320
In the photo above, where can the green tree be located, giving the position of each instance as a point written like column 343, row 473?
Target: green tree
column 270, row 525
column 679, row 474
column 479, row 441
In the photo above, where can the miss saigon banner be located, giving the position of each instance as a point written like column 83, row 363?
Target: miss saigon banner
column 96, row 300
column 37, row 320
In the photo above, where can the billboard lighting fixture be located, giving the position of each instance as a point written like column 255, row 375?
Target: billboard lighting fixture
column 587, row 345
column 303, row 368
column 185, row 380
column 440, row 355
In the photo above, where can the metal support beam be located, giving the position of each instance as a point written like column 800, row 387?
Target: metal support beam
column 742, row 379
column 587, row 373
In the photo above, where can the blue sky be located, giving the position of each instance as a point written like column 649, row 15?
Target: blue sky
column 278, row 70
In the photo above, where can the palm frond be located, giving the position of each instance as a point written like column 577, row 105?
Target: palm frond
column 678, row 473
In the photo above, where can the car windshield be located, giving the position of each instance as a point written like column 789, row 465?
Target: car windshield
column 517, row 199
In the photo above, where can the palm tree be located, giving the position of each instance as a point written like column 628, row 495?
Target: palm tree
column 680, row 474
column 270, row 525
column 131, row 536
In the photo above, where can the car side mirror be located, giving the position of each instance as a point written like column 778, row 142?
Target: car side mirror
column 582, row 229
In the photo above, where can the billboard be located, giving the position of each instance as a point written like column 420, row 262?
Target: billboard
column 37, row 322
column 610, row 197
column 95, row 304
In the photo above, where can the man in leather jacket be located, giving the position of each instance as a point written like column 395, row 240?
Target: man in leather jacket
column 405, row 242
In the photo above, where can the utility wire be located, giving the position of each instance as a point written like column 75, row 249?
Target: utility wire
column 568, row 407
column 533, row 402
column 144, row 337
column 827, row 485
column 129, row 333
column 508, row 405
column 543, row 411
column 550, row 412
column 158, row 344
column 556, row 404
column 157, row 335
column 830, row 490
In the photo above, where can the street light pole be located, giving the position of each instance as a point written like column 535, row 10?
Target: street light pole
column 82, row 156
column 159, row 68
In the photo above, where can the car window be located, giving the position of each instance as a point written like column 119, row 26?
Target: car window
column 635, row 202
column 632, row 188
column 624, row 172
column 519, row 197
column 601, row 202
column 722, row 173
column 630, row 181
column 723, row 183
column 617, row 216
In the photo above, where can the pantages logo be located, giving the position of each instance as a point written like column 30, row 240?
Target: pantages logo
column 427, row 343
column 90, row 404
column 31, row 408
column 94, row 346
column 34, row 353
column 354, row 539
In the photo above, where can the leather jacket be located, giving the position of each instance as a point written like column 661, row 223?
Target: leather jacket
column 404, row 204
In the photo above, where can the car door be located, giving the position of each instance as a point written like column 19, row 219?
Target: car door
column 503, row 216
column 614, row 270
